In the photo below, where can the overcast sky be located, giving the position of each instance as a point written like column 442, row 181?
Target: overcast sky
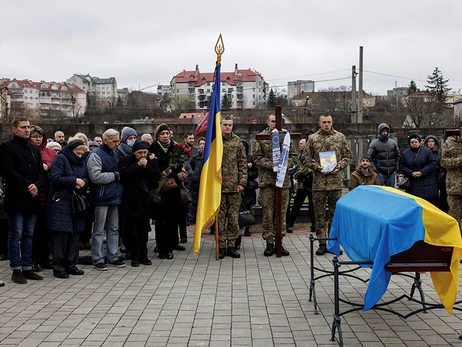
column 142, row 43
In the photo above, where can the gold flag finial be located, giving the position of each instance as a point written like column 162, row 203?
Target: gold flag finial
column 219, row 48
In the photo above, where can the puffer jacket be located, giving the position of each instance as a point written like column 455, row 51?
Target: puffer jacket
column 383, row 153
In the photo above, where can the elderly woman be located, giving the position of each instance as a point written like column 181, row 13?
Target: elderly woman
column 418, row 164
column 68, row 176
column 40, row 250
column 166, row 218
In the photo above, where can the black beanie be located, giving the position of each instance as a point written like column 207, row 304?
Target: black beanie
column 414, row 136
column 139, row 144
column 73, row 144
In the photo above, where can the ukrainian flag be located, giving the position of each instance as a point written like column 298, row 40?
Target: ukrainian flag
column 210, row 185
column 373, row 223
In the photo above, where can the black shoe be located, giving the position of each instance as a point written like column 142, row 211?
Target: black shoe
column 290, row 231
column 184, row 240
column 233, row 253
column 81, row 247
column 75, row 271
column 47, row 265
column 321, row 250
column 156, row 249
column 238, row 242
column 340, row 253
column 285, row 252
column 169, row 255
column 247, row 232
column 117, row 263
column 222, row 253
column 146, row 262
column 61, row 275
column 179, row 247
column 35, row 268
column 212, row 232
column 269, row 251
column 135, row 263
column 87, row 246
column 101, row 267
column 162, row 255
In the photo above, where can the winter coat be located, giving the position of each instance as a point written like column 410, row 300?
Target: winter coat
column 64, row 171
column 262, row 153
column 249, row 195
column 363, row 177
column 123, row 150
column 3, row 215
column 137, row 181
column 437, row 156
column 322, row 141
column 383, row 153
column 105, row 188
column 420, row 159
column 234, row 164
column 196, row 165
column 451, row 160
column 21, row 166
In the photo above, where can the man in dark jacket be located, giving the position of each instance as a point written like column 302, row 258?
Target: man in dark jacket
column 23, row 173
column 384, row 156
column 139, row 175
column 106, row 192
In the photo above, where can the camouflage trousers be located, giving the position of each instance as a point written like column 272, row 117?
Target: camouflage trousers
column 455, row 206
column 267, row 201
column 323, row 217
column 228, row 226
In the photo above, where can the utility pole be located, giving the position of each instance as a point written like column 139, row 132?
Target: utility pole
column 354, row 112
column 360, row 91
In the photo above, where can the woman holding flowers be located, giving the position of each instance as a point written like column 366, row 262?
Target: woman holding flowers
column 170, row 159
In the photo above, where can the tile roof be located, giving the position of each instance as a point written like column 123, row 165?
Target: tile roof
column 199, row 78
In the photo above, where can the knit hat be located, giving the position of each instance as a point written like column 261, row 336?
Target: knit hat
column 53, row 144
column 413, row 136
column 93, row 143
column 127, row 132
column 74, row 142
column 139, row 144
column 161, row 128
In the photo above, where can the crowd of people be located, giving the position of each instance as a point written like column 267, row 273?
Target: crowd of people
column 57, row 197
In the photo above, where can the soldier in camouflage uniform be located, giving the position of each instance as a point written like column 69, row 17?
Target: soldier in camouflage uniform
column 451, row 160
column 234, row 173
column 262, row 153
column 326, row 186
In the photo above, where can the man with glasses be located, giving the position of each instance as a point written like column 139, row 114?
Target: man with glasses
column 23, row 173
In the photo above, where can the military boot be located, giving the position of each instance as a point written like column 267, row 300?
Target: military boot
column 233, row 253
column 222, row 253
column 269, row 250
column 238, row 242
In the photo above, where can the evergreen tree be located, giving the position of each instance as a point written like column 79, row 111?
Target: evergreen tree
column 272, row 99
column 225, row 103
column 438, row 88
column 412, row 87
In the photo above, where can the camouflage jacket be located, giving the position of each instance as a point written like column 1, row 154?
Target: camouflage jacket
column 322, row 141
column 451, row 160
column 234, row 164
column 303, row 175
column 262, row 153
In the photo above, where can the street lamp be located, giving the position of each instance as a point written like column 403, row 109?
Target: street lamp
column 306, row 104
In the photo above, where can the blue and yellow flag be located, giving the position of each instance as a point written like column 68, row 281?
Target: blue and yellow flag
column 210, row 185
column 373, row 223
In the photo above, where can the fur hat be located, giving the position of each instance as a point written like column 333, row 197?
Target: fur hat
column 161, row 128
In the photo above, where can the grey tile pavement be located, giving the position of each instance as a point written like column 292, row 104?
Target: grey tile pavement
column 188, row 301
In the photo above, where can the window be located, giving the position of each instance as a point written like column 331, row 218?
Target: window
column 254, row 103
column 254, row 96
column 208, row 90
column 253, row 88
column 208, row 84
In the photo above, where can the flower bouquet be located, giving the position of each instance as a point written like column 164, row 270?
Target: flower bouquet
column 176, row 160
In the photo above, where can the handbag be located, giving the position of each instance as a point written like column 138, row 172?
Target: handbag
column 169, row 184
column 405, row 184
column 79, row 203
column 154, row 198
column 186, row 197
column 245, row 218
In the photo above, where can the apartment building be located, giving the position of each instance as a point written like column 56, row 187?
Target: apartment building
column 245, row 88
column 103, row 89
column 296, row 87
column 46, row 98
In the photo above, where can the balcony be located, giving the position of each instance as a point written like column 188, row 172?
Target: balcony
column 202, row 97
column 240, row 90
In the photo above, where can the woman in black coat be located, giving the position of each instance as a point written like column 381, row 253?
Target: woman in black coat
column 418, row 164
column 167, row 216
column 196, row 163
column 249, row 194
column 139, row 174
column 68, row 174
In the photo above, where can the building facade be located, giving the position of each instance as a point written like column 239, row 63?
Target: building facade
column 296, row 87
column 244, row 88
column 103, row 90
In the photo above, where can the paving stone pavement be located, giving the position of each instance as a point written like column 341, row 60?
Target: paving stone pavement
column 252, row 301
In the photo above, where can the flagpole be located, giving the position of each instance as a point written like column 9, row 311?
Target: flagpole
column 219, row 49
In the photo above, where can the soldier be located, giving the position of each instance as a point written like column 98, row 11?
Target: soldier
column 262, row 153
column 451, row 160
column 327, row 186
column 234, row 178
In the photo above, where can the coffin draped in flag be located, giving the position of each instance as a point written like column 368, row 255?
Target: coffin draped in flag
column 373, row 223
column 210, row 183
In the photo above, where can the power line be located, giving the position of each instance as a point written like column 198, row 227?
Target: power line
column 316, row 74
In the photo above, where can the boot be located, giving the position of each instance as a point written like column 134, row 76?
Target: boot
column 238, row 242
column 284, row 252
column 222, row 253
column 321, row 250
column 233, row 253
column 247, row 232
column 269, row 250
column 31, row 275
column 17, row 277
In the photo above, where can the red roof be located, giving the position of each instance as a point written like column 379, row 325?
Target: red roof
column 199, row 78
column 38, row 85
